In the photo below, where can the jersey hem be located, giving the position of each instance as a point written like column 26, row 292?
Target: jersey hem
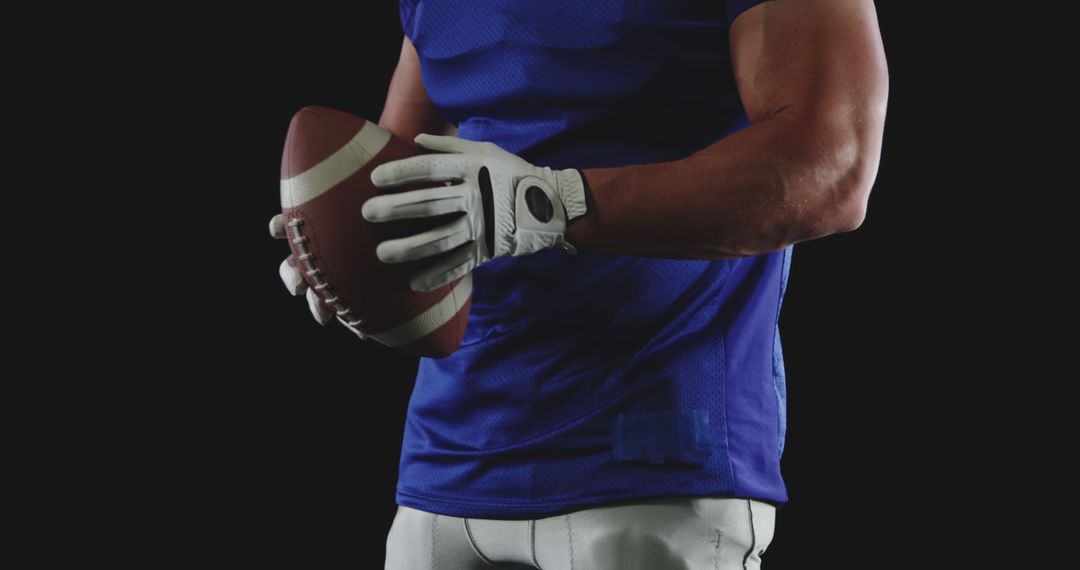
column 539, row 509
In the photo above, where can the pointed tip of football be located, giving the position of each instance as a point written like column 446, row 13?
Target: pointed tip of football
column 315, row 133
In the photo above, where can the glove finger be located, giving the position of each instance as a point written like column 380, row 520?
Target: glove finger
column 455, row 264
column 445, row 143
column 319, row 310
column 425, row 244
column 277, row 226
column 432, row 168
column 291, row 277
column 415, row 204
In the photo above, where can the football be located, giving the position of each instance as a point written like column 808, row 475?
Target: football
column 325, row 180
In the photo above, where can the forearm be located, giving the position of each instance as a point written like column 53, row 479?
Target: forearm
column 772, row 184
column 408, row 110
column 813, row 79
column 409, row 114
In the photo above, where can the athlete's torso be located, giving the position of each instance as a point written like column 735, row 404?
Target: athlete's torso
column 595, row 378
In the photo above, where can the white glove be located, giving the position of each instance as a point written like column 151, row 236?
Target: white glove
column 294, row 281
column 511, row 207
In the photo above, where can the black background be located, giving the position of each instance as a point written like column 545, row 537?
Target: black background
column 279, row 439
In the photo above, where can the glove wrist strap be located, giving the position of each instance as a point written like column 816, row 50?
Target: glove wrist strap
column 571, row 188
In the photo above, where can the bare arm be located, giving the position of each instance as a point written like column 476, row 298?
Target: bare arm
column 408, row 110
column 813, row 80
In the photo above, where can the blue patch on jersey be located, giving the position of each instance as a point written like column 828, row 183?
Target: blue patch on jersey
column 660, row 436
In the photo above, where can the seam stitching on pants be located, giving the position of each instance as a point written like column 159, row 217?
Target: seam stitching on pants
column 532, row 543
column 472, row 543
column 434, row 537
column 570, row 536
column 719, row 539
column 753, row 536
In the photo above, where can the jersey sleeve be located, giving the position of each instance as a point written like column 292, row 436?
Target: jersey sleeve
column 407, row 9
column 734, row 8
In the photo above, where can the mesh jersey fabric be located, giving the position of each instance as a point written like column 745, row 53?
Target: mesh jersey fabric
column 596, row 378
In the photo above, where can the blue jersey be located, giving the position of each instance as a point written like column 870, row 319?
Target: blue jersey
column 595, row 378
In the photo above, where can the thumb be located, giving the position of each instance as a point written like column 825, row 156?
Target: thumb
column 442, row 143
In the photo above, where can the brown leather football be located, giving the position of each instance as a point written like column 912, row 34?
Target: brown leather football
column 325, row 179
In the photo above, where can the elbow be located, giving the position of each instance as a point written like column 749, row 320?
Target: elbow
column 852, row 221
column 850, row 202
column 827, row 203
column 838, row 164
column 844, row 182
column 841, row 206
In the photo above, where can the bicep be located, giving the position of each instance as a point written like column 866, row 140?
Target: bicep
column 408, row 110
column 811, row 59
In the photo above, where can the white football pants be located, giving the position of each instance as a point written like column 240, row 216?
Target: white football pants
column 708, row 533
